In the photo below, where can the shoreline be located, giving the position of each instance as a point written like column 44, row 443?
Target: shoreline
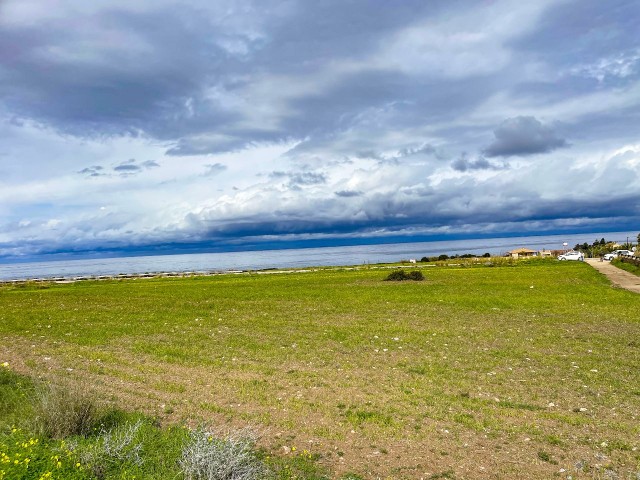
column 209, row 273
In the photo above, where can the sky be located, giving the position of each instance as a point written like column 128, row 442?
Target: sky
column 157, row 126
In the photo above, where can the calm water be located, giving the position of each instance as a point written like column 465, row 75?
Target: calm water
column 302, row 257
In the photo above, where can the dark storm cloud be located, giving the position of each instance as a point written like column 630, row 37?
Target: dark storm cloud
column 139, row 71
column 521, row 136
column 178, row 72
column 463, row 164
column 174, row 72
column 93, row 171
column 126, row 168
column 348, row 193
column 456, row 203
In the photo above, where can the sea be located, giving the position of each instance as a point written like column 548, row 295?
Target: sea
column 294, row 258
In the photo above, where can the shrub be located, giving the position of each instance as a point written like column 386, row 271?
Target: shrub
column 443, row 257
column 62, row 411
column 401, row 275
column 114, row 448
column 415, row 276
column 232, row 457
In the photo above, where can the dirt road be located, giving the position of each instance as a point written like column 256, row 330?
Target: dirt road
column 617, row 276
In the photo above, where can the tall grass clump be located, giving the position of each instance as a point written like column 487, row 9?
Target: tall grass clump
column 207, row 456
column 62, row 411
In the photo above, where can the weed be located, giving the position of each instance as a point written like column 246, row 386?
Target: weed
column 358, row 417
column 545, row 457
column 447, row 474
column 518, row 406
column 62, row 411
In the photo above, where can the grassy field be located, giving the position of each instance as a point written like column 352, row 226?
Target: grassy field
column 521, row 371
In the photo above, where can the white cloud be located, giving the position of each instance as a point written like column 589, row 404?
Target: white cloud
column 622, row 65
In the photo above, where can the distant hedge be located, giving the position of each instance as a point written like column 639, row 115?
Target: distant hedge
column 401, row 275
column 443, row 257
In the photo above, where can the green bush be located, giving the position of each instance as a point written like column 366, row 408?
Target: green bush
column 401, row 275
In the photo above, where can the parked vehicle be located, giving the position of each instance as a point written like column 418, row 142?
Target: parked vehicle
column 616, row 254
column 578, row 256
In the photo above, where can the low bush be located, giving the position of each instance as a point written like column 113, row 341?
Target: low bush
column 208, row 456
column 115, row 448
column 401, row 275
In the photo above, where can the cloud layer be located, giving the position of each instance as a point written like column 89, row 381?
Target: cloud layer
column 142, row 125
column 522, row 136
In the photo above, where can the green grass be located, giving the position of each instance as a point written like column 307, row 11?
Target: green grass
column 626, row 266
column 472, row 355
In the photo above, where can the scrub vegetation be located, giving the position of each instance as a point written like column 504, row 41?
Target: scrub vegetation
column 632, row 266
column 486, row 369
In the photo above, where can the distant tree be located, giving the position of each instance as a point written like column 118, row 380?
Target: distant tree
column 424, row 259
column 602, row 241
column 488, row 255
column 443, row 257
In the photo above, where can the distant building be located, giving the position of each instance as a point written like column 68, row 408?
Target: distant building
column 522, row 252
column 546, row 253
